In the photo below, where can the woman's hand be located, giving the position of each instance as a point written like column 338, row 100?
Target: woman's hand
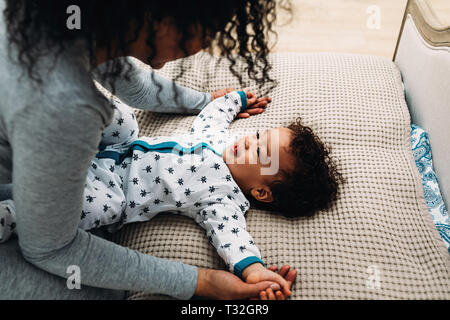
column 220, row 93
column 254, row 105
column 223, row 285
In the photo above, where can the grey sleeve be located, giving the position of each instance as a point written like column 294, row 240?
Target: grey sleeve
column 144, row 87
column 53, row 147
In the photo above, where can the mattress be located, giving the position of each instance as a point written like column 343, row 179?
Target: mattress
column 378, row 241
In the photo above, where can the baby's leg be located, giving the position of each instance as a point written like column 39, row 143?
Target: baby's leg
column 103, row 200
column 123, row 129
column 102, row 205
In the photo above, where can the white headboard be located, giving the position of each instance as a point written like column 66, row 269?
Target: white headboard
column 423, row 57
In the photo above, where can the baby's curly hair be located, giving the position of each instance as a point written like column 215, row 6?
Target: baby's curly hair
column 313, row 185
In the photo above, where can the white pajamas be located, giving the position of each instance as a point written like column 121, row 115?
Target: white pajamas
column 133, row 179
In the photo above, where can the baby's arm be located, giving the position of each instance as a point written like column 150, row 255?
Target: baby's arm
column 219, row 113
column 226, row 230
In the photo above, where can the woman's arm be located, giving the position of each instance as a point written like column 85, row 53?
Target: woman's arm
column 52, row 149
column 143, row 89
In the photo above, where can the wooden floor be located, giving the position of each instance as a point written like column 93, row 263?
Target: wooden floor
column 347, row 25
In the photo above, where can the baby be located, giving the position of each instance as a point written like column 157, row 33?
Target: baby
column 203, row 176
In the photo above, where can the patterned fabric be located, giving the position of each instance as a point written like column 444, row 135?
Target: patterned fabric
column 7, row 220
column 378, row 241
column 133, row 180
column 422, row 155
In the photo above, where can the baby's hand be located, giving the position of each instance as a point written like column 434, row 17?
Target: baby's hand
column 288, row 274
column 256, row 272
column 254, row 105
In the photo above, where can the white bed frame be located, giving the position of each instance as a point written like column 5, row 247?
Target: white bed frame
column 423, row 57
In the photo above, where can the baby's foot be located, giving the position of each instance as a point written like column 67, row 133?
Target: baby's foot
column 7, row 220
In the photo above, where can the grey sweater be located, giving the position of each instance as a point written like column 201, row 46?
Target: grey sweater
column 48, row 137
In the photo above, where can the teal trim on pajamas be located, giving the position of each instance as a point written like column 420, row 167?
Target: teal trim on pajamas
column 244, row 263
column 243, row 100
column 164, row 147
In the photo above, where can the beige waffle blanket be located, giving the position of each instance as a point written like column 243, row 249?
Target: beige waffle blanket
column 378, row 241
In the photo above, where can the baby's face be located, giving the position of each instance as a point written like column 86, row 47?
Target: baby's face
column 259, row 158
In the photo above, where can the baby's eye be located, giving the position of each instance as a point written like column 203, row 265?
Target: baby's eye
column 257, row 137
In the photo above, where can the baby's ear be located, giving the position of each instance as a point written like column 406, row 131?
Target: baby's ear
column 262, row 193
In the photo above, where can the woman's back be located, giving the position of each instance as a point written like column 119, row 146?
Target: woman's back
column 63, row 79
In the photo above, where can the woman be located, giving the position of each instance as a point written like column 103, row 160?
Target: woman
column 52, row 113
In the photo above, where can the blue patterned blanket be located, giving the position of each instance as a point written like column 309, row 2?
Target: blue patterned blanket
column 422, row 155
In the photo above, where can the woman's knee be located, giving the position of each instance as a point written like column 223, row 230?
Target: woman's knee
column 20, row 280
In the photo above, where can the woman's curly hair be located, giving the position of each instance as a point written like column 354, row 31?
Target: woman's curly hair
column 314, row 183
column 238, row 28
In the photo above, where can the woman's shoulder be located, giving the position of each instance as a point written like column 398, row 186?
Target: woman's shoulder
column 66, row 86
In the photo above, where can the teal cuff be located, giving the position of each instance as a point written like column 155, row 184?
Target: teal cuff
column 243, row 100
column 244, row 263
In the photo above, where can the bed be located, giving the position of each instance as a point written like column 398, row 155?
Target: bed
column 379, row 240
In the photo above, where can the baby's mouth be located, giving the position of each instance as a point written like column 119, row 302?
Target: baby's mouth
column 237, row 148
